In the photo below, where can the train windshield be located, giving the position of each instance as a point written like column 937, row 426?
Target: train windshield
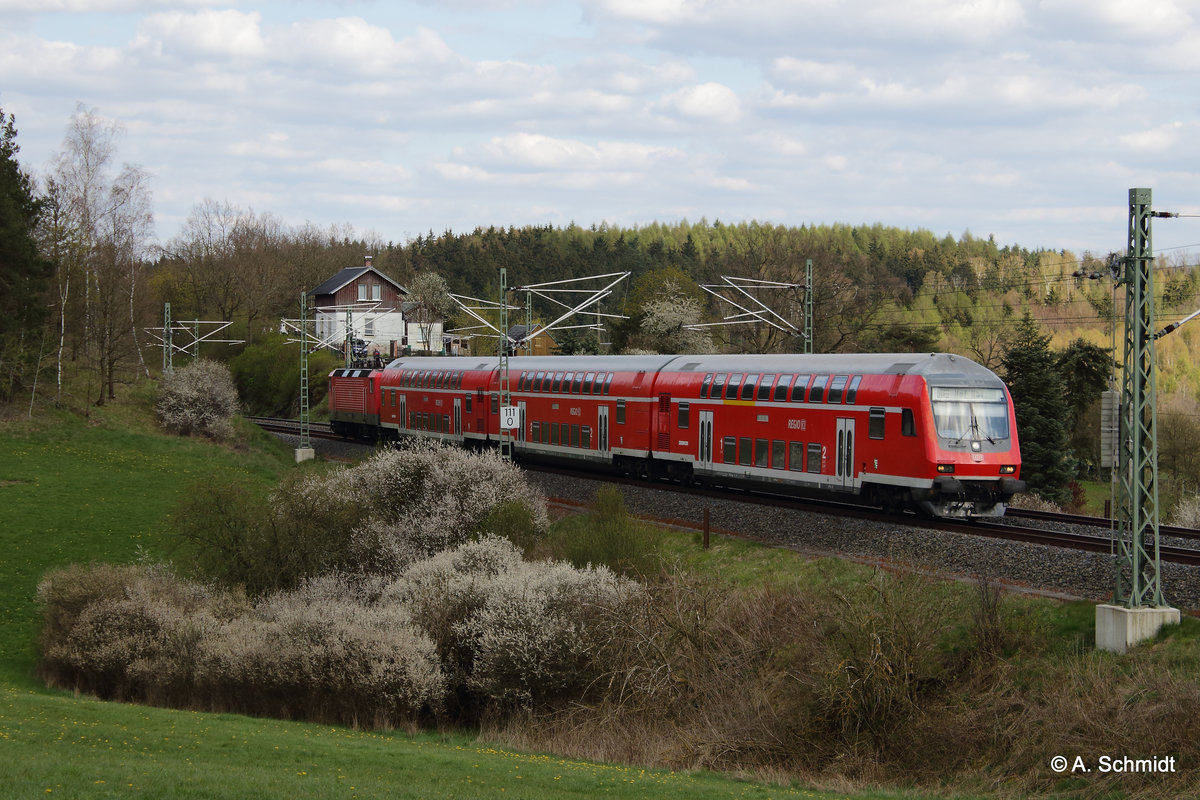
column 961, row 412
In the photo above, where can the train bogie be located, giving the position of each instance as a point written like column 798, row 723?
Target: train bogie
column 932, row 433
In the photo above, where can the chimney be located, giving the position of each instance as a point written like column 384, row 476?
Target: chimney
column 367, row 261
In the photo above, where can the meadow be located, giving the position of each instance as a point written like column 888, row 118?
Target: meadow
column 102, row 489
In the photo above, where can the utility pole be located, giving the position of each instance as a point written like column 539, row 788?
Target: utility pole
column 808, row 307
column 304, row 451
column 1142, row 609
column 506, row 413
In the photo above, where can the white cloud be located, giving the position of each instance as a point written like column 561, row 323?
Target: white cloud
column 714, row 102
column 1158, row 139
column 204, row 34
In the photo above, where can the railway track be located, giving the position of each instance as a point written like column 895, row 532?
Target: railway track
column 992, row 529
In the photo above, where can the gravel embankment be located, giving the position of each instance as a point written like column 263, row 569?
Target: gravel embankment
column 1030, row 567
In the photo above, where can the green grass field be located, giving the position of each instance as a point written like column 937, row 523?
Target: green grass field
column 75, row 491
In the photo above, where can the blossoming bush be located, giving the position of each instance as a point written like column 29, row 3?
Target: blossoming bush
column 513, row 633
column 199, row 398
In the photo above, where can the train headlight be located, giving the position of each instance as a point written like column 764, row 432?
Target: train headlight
column 945, row 469
column 1008, row 469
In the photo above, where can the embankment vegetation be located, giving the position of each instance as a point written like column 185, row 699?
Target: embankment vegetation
column 619, row 644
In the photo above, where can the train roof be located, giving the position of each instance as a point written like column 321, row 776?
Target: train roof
column 946, row 366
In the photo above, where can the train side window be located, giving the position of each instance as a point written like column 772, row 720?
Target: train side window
column 817, row 393
column 704, row 386
column 608, row 382
column 781, row 387
column 718, row 386
column 535, row 431
column 837, row 388
column 798, row 388
column 495, row 404
column 567, row 380
column 521, row 381
column 468, row 404
column 814, row 457
column 588, row 380
column 558, row 376
column 577, row 386
column 744, row 451
column 585, row 437
column 908, row 425
column 553, row 433
column 761, row 450
column 620, row 412
column 574, row 436
column 458, row 380
column 764, row 387
column 852, row 392
column 796, row 456
column 778, row 454
column 546, row 426
column 875, row 426
column 731, row 388
column 729, row 449
column 564, row 433
column 748, row 387
column 684, row 414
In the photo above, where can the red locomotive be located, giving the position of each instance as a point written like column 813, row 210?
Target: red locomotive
column 931, row 432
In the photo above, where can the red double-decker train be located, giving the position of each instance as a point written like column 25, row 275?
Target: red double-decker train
column 930, row 432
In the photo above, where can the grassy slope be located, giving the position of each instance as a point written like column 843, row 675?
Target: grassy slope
column 74, row 492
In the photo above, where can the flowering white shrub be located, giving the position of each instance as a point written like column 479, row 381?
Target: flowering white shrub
column 418, row 501
column 199, row 398
column 1186, row 513
column 311, row 654
column 513, row 632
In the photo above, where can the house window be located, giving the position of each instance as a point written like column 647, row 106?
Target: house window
column 362, row 291
column 376, row 291
column 369, row 329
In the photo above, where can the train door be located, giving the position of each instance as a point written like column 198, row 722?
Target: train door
column 844, row 468
column 521, row 413
column 458, row 418
column 602, row 429
column 704, row 452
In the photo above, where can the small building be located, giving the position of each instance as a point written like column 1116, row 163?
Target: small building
column 542, row 344
column 372, row 301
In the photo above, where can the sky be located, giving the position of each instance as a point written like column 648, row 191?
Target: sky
column 1022, row 120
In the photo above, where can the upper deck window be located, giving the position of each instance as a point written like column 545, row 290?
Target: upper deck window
column 782, row 386
column 718, row 385
column 731, row 388
column 748, row 387
column 837, row 388
column 852, row 392
column 707, row 383
column 817, row 393
column 764, row 387
column 799, row 387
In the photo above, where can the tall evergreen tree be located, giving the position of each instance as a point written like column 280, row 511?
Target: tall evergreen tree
column 23, row 271
column 1039, row 397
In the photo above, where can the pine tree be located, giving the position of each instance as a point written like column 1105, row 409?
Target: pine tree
column 1040, row 400
column 23, row 271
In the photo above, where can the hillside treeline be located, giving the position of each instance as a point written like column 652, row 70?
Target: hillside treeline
column 85, row 285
